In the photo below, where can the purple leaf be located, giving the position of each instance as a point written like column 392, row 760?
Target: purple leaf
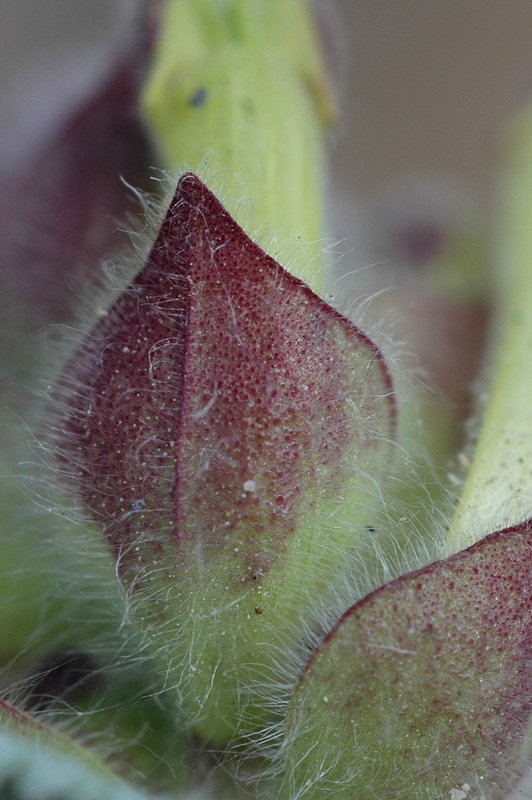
column 60, row 207
column 215, row 421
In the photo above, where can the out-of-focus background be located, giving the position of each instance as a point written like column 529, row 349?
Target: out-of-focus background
column 427, row 83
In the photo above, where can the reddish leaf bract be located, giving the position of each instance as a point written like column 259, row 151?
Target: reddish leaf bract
column 219, row 397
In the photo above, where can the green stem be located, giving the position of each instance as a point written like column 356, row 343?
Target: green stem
column 238, row 94
column 498, row 489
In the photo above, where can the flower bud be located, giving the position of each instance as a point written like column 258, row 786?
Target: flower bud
column 228, row 430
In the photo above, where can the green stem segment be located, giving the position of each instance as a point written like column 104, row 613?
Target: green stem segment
column 498, row 489
column 238, row 93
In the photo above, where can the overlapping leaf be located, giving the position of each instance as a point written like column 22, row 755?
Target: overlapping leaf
column 423, row 689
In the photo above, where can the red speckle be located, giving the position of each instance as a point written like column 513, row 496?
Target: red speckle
column 208, row 372
column 458, row 661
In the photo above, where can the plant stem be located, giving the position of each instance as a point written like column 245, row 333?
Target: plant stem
column 498, row 489
column 238, row 93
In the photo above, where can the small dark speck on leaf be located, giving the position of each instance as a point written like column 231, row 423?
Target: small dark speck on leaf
column 258, row 610
column 198, row 97
column 370, row 529
column 136, row 506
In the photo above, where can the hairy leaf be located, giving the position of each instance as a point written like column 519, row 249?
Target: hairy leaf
column 424, row 686
column 228, row 429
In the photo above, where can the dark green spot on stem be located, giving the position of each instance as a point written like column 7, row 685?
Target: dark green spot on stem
column 198, row 97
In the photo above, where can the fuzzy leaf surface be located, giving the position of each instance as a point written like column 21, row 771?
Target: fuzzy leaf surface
column 424, row 686
column 216, row 421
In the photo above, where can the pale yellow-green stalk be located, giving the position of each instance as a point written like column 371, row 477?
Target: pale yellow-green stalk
column 238, row 93
column 498, row 488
